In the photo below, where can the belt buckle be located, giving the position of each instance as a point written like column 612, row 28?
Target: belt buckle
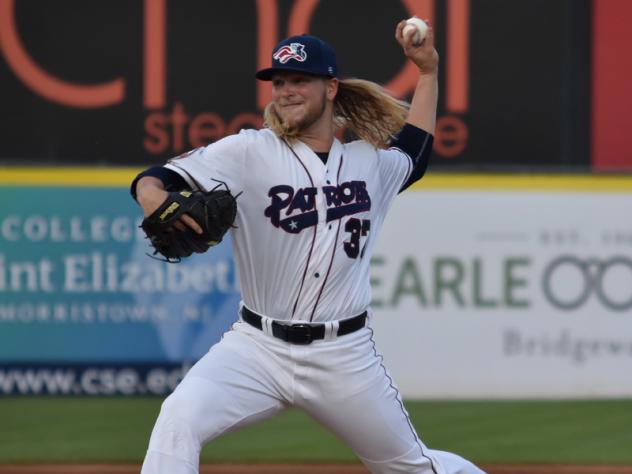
column 299, row 334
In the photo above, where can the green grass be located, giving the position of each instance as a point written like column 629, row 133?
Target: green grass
column 117, row 430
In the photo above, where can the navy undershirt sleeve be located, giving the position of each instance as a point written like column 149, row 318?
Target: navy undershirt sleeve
column 417, row 144
column 172, row 180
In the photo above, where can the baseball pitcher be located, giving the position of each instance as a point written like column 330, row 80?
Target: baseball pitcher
column 304, row 211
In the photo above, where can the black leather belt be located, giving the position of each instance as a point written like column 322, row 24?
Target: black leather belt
column 303, row 333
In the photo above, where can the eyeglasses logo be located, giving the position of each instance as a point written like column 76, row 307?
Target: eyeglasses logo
column 592, row 274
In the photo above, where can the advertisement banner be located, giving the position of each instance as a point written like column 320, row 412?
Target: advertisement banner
column 483, row 287
column 77, row 286
column 507, row 294
column 137, row 82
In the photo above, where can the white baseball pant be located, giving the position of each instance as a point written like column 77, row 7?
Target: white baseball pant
column 249, row 376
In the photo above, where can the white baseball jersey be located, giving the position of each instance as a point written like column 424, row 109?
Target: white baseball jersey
column 303, row 240
column 305, row 230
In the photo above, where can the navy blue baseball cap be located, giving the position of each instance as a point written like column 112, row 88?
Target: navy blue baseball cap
column 305, row 54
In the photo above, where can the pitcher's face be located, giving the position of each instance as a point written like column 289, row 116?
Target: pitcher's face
column 300, row 99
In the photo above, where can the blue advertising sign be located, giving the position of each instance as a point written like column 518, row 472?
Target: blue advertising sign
column 77, row 285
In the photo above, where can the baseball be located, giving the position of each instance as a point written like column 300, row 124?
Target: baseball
column 420, row 27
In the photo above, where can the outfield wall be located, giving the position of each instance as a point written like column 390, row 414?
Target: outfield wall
column 483, row 287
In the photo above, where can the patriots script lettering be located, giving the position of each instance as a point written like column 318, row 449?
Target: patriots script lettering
column 346, row 199
column 349, row 198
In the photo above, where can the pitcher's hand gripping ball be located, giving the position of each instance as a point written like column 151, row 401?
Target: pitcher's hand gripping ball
column 214, row 211
column 419, row 27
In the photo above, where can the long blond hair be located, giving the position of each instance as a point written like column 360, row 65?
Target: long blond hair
column 364, row 107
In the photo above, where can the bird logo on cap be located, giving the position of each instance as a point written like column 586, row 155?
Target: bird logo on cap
column 292, row 51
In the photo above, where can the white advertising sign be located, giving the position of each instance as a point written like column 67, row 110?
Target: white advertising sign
column 500, row 294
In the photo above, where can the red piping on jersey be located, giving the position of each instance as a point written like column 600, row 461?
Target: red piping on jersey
column 309, row 256
column 332, row 253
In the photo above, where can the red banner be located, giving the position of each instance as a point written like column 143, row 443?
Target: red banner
column 611, row 148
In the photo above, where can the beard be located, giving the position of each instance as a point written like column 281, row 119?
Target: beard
column 309, row 118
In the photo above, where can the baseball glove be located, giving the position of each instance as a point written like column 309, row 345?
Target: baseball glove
column 214, row 211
